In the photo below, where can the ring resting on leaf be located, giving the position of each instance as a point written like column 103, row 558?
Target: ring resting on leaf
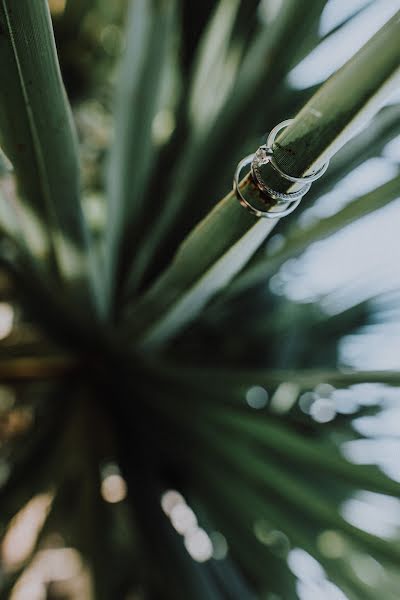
column 263, row 156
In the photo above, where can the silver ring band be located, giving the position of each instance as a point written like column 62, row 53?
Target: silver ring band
column 263, row 156
column 268, row 214
column 270, row 144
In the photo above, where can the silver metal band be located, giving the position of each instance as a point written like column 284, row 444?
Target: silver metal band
column 268, row 214
column 270, row 144
column 263, row 156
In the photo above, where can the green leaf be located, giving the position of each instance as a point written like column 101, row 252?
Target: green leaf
column 369, row 143
column 283, row 486
column 333, row 116
column 309, row 453
column 221, row 245
column 146, row 62
column 215, row 69
column 38, row 136
column 263, row 67
column 299, row 494
column 255, row 507
column 8, row 221
column 76, row 10
column 301, row 238
column 305, row 379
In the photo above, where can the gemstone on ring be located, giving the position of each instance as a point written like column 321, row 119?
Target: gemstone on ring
column 263, row 156
column 260, row 210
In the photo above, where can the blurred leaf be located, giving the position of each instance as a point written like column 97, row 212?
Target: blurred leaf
column 76, row 10
column 283, row 493
column 301, row 238
column 290, row 527
column 215, row 68
column 41, row 368
column 320, row 128
column 203, row 265
column 263, row 66
column 38, row 137
column 347, row 20
column 8, row 222
column 225, row 240
column 367, row 144
column 305, row 379
column 323, row 457
column 158, row 417
column 150, row 33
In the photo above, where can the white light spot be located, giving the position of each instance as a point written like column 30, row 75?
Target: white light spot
column 323, row 410
column 113, row 488
column 20, row 538
column 385, row 423
column 284, row 397
column 163, row 126
column 345, row 401
column 304, row 566
column 336, row 12
column 381, row 452
column 315, row 112
column 29, row 587
column 94, row 207
column 6, row 319
column 369, row 394
column 170, row 499
column 63, row 568
column 392, row 150
column 257, row 397
column 333, row 52
column 197, row 542
column 199, row 545
column 370, row 518
column 60, row 563
column 183, row 519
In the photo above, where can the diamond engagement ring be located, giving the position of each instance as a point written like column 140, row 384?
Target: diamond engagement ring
column 272, row 198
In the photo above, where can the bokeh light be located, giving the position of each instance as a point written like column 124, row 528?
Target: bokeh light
column 113, row 486
column 23, row 530
column 6, row 319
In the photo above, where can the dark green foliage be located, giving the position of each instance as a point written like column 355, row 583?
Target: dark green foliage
column 143, row 333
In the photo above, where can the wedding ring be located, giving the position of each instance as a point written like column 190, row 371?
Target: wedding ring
column 264, row 156
column 270, row 213
column 270, row 144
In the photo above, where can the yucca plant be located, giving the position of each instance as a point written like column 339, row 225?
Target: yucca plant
column 136, row 427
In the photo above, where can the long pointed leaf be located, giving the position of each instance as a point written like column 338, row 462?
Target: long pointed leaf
column 38, row 135
column 150, row 33
column 322, row 129
column 262, row 69
column 300, row 239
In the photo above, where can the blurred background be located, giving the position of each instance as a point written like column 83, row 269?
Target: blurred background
column 354, row 275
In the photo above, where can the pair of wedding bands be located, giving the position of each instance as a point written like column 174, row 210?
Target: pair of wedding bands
column 263, row 156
